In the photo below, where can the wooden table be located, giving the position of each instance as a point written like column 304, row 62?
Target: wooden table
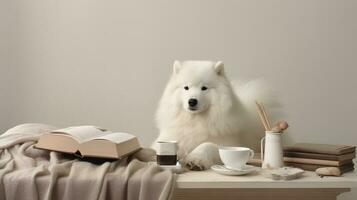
column 208, row 185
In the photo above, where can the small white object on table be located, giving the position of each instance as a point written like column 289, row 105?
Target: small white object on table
column 209, row 185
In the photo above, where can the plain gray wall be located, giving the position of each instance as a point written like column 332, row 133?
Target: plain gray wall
column 107, row 62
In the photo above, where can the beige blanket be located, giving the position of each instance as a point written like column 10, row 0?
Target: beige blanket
column 29, row 173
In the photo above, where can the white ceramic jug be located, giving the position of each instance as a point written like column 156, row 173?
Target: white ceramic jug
column 272, row 151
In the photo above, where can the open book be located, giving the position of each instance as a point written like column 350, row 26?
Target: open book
column 89, row 141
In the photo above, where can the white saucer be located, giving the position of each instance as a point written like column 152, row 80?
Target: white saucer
column 174, row 168
column 221, row 169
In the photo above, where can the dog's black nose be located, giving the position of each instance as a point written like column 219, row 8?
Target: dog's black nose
column 192, row 102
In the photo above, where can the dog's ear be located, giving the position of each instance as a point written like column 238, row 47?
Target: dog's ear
column 219, row 68
column 177, row 66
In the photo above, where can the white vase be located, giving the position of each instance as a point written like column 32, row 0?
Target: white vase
column 272, row 150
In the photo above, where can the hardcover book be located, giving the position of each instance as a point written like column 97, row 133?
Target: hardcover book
column 319, row 156
column 317, row 161
column 310, row 167
column 89, row 141
column 321, row 148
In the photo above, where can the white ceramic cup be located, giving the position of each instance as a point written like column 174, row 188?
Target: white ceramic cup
column 235, row 158
column 167, row 148
column 166, row 153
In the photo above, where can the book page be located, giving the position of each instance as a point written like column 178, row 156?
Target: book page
column 81, row 133
column 115, row 137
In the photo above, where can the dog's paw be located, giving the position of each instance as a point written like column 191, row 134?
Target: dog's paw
column 202, row 157
column 195, row 164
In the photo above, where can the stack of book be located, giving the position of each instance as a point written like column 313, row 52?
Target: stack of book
column 310, row 156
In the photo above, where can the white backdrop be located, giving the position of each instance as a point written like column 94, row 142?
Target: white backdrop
column 107, row 62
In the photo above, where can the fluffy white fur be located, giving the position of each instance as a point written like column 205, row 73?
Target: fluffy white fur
column 224, row 114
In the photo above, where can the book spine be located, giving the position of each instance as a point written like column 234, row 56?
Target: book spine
column 306, row 161
column 321, row 151
column 310, row 155
column 304, row 166
column 310, row 167
column 348, row 169
column 312, row 161
column 340, row 158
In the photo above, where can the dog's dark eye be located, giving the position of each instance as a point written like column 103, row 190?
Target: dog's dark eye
column 204, row 88
column 186, row 88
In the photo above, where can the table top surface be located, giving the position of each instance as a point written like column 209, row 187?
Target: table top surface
column 210, row 179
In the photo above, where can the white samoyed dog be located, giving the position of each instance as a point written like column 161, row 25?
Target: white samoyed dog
column 201, row 109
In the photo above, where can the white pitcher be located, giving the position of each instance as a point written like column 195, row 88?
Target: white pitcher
column 272, row 151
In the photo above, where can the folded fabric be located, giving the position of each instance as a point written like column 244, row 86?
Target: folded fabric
column 30, row 173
